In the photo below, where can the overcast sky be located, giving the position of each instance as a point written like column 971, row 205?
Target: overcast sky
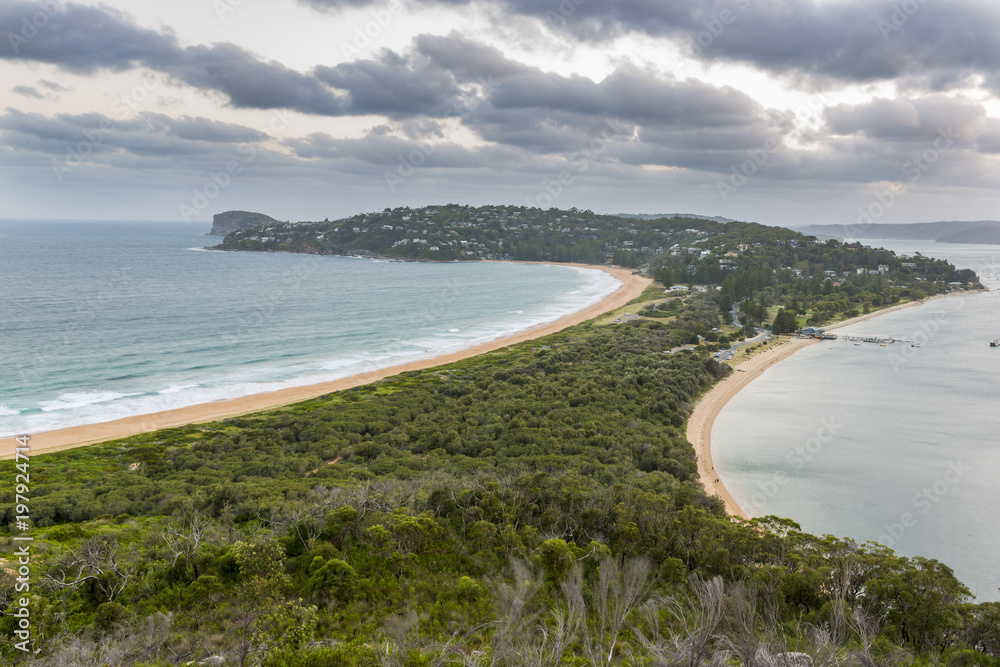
column 782, row 111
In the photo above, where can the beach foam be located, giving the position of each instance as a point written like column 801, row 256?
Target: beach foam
column 244, row 347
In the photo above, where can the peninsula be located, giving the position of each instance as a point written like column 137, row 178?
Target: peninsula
column 424, row 505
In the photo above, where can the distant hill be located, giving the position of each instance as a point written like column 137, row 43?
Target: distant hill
column 979, row 231
column 456, row 232
column 230, row 221
column 658, row 216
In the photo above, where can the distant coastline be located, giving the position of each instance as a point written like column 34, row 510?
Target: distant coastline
column 68, row 438
column 708, row 407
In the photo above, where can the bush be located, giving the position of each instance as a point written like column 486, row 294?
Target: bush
column 337, row 580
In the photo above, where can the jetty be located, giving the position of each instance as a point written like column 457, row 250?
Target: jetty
column 858, row 338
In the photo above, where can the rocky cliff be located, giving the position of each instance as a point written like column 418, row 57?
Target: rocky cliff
column 230, row 221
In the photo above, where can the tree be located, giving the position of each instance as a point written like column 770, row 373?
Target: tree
column 784, row 322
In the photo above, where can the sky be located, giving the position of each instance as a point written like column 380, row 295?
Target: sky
column 788, row 112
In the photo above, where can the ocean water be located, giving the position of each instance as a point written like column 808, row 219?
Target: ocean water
column 896, row 444
column 106, row 320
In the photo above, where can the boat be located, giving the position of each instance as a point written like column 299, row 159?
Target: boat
column 915, row 345
column 995, row 343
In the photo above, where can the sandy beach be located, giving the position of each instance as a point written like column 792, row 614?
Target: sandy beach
column 699, row 426
column 77, row 436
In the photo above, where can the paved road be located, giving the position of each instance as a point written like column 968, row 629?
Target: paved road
column 731, row 352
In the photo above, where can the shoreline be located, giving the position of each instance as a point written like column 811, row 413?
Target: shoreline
column 699, row 425
column 78, row 436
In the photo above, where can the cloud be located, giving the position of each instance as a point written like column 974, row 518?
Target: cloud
column 53, row 86
column 85, row 40
column 907, row 120
column 29, row 91
column 934, row 43
column 394, row 85
column 102, row 137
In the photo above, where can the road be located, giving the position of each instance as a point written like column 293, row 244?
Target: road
column 731, row 352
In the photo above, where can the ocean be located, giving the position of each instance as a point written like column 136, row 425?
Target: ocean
column 103, row 320
column 896, row 444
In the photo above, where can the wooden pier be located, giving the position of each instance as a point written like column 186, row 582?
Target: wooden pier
column 864, row 338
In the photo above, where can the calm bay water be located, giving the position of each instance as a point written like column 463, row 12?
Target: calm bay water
column 896, row 444
column 106, row 320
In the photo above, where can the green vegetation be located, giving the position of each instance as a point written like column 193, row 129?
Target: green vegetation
column 537, row 505
column 757, row 266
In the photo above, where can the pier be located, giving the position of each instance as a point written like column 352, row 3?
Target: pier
column 864, row 338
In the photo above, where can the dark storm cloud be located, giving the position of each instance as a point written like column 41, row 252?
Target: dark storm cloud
column 200, row 129
column 502, row 100
column 467, row 60
column 253, row 84
column 394, row 85
column 907, row 120
column 385, row 150
column 546, row 112
column 938, row 43
column 80, row 39
column 146, row 135
column 85, row 40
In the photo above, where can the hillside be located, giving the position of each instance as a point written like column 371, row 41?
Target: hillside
column 231, row 221
column 537, row 505
column 537, row 499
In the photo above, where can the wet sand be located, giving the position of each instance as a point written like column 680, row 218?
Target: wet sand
column 77, row 436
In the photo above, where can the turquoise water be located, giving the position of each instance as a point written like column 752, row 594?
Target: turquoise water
column 106, row 320
column 896, row 444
